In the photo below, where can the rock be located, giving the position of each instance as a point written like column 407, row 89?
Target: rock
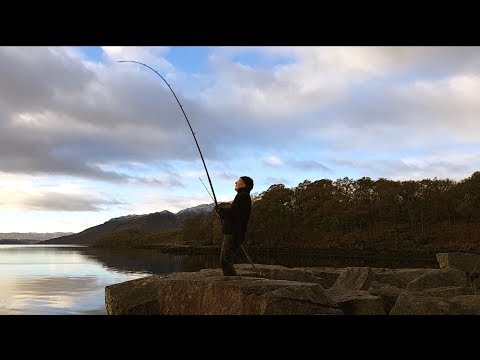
column 387, row 292
column 356, row 302
column 308, row 301
column 348, row 292
column 415, row 304
column 398, row 277
column 438, row 278
column 272, row 289
column 461, row 261
column 446, row 292
column 139, row 296
column 277, row 272
column 206, row 293
column 355, row 278
column 325, row 276
column 465, row 305
column 328, row 275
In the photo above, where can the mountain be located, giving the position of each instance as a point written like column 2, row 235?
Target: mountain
column 17, row 241
column 31, row 236
column 186, row 213
column 154, row 222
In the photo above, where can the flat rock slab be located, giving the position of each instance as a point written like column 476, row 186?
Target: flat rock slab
column 387, row 292
column 461, row 261
column 418, row 304
column 207, row 293
column 465, row 305
column 398, row 277
column 415, row 304
column 447, row 292
column 356, row 302
column 328, row 275
column 437, row 279
column 277, row 272
column 354, row 278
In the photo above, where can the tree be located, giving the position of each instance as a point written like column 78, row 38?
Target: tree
column 273, row 215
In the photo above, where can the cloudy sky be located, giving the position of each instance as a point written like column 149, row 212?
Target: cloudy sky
column 84, row 138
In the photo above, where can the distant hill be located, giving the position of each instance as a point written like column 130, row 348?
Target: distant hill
column 154, row 222
column 30, row 237
column 17, row 241
column 186, row 213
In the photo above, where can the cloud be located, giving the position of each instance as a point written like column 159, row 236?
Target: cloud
column 416, row 115
column 308, row 165
column 152, row 202
column 273, row 161
column 315, row 77
column 168, row 182
column 151, row 55
column 455, row 166
column 85, row 115
column 25, row 71
column 63, row 114
column 270, row 180
column 276, row 162
column 34, row 193
column 54, row 201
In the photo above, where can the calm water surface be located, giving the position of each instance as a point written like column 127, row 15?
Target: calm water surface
column 66, row 279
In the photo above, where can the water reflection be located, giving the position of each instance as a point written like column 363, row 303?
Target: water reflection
column 52, row 279
column 155, row 262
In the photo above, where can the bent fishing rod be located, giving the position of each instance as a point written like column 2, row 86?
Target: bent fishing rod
column 191, row 129
column 186, row 118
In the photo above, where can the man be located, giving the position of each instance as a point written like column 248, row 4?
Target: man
column 235, row 219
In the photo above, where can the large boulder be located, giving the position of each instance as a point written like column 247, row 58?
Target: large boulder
column 461, row 261
column 398, row 277
column 354, row 278
column 447, row 292
column 139, row 296
column 465, row 305
column 437, row 279
column 387, row 292
column 208, row 293
column 349, row 293
column 421, row 304
column 277, row 272
column 327, row 275
column 356, row 302
column 416, row 304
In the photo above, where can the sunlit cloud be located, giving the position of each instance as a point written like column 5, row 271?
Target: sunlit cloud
column 273, row 161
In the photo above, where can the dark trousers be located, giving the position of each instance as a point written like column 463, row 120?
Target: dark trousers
column 230, row 246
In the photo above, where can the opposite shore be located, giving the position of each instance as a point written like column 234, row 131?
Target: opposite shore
column 371, row 252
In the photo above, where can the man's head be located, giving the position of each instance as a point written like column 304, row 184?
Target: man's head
column 244, row 182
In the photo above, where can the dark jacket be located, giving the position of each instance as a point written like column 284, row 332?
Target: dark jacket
column 235, row 218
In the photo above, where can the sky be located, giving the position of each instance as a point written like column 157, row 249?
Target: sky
column 84, row 139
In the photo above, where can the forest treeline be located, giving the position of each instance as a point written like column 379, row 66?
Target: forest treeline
column 362, row 213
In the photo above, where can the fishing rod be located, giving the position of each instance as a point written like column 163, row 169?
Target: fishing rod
column 193, row 133
column 186, row 118
column 206, row 188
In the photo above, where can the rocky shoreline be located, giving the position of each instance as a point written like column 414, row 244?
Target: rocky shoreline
column 450, row 289
column 194, row 249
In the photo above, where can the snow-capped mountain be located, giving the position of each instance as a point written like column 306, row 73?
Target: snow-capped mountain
column 203, row 208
